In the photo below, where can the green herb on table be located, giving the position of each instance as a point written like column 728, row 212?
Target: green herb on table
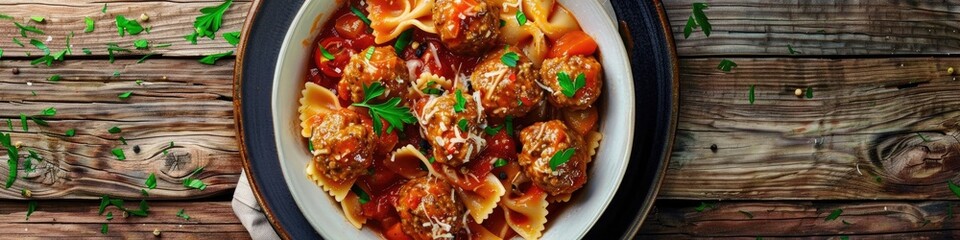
column 31, row 206
column 209, row 23
column 128, row 26
column 924, row 138
column 461, row 104
column 845, row 222
column 844, row 237
column 39, row 121
column 70, row 132
column 40, row 45
column 510, row 59
column 144, row 58
column 194, row 183
column 25, row 29
column 17, row 42
column 363, row 197
column 1, row 53
column 104, row 10
column 10, row 124
column 58, row 56
column 521, row 18
column 162, row 45
column 790, row 48
column 726, row 65
column 124, row 95
column 833, row 215
column 748, row 214
column 141, row 44
column 13, row 158
column 183, row 215
column 5, row 17
column 703, row 206
column 391, row 110
column 233, row 38
column 109, row 216
column 69, row 48
column 561, row 157
column 751, row 94
column 360, row 15
column 139, row 82
column 50, row 111
column 403, row 41
column 809, row 92
column 570, row 87
column 119, row 154
column 116, row 73
column 697, row 19
column 91, row 25
column 151, row 181
column 113, row 47
column 103, row 228
column 954, row 188
column 87, row 51
column 212, row 59
column 144, row 192
column 38, row 19
column 115, row 130
column 142, row 211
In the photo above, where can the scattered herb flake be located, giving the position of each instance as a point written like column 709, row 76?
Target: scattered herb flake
column 561, row 157
column 954, row 188
column 144, row 58
column 91, row 25
column 809, row 92
column 325, row 53
column 463, row 125
column 17, row 42
column 844, row 237
column 748, row 214
column 130, row 26
column 570, row 87
column 124, row 95
column 510, row 59
column 521, row 18
column 500, row 162
column 119, row 154
column 233, row 38
column 109, row 216
column 31, row 206
column 113, row 47
column 5, row 17
column 54, row 78
column 50, row 111
column 40, row 45
column 104, row 10
column 71, row 132
column 23, row 122
column 369, row 53
column 38, row 19
column 751, row 94
column 151, row 181
column 162, row 45
column 726, row 65
column 461, row 104
column 360, row 15
column 39, row 121
column 209, row 23
column 212, row 59
column 10, row 124
column 87, row 51
column 115, row 130
column 144, row 192
column 363, row 197
column 403, row 41
column 490, row 130
column 703, row 206
column 141, row 44
column 194, row 183
column 103, row 226
column 509, row 125
column 13, row 158
column 69, row 46
column 833, row 215
column 790, row 48
column 701, row 18
column 183, row 215
column 25, row 29
column 391, row 110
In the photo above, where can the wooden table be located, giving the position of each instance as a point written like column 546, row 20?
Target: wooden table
column 883, row 103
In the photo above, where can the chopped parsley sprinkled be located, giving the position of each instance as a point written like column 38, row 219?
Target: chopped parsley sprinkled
column 233, row 38
column 183, row 215
column 790, row 48
column 144, row 58
column 124, row 95
column 698, row 19
column 326, row 54
column 369, row 53
column 209, row 23
column 954, row 188
column 833, row 215
column 104, row 10
column 500, row 162
column 403, row 41
column 360, row 15
column 17, row 42
column 12, row 161
column 461, row 104
column 119, row 154
column 40, row 45
column 703, row 206
column 91, row 25
column 751, row 93
column 490, row 130
column 50, row 111
column 23, row 122
column 70, row 132
column 462, row 124
column 141, row 44
column 54, row 78
column 570, row 87
column 38, row 19
column 561, row 157
column 509, row 125
column 103, row 226
column 109, row 216
column 115, row 130
column 130, row 26
column 25, row 29
column 364, row 198
column 113, row 47
column 212, row 59
column 521, row 18
column 31, row 206
column 726, row 65
column 391, row 110
column 809, row 92
column 194, row 183
column 151, row 181
column 510, row 59
column 87, row 51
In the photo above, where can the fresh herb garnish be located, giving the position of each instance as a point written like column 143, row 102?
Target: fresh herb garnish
column 500, row 162
column 834, row 215
column 510, row 59
column 391, row 111
column 194, row 183
column 103, row 226
column 360, row 15
column 13, row 160
column 561, row 157
column 403, row 41
column 432, row 159
column 69, row 48
column 124, row 95
column 23, row 122
column 183, row 215
column 104, row 10
column 461, row 104
column 748, row 214
column 40, row 45
column 209, row 23
column 325, row 53
column 151, row 181
column 508, row 122
column 924, row 138
column 70, row 132
column 122, row 140
column 114, row 130
column 91, row 25
column 364, row 198
column 490, row 130
column 845, row 222
column 212, row 59
column 5, row 17
column 55, row 78
column 790, row 48
column 25, row 29
column 750, row 94
column 503, row 23
column 462, row 124
column 119, row 154
column 697, row 19
column 17, row 42
column 369, row 53
column 113, row 47
column 233, row 38
column 50, row 111
column 430, row 90
column 570, row 87
column 162, row 45
column 954, row 188
column 809, row 92
column 38, row 19
column 109, row 216
column 130, row 26
column 845, row 237
column 703, row 206
column 726, row 65
column 521, row 18
column 144, row 58
column 31, row 206
column 141, row 44
column 87, row 51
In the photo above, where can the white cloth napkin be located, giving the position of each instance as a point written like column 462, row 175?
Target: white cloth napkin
column 248, row 210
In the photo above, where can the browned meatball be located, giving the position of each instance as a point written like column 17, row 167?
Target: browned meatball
column 573, row 66
column 541, row 141
column 467, row 26
column 383, row 66
column 428, row 209
column 342, row 146
column 504, row 90
column 441, row 119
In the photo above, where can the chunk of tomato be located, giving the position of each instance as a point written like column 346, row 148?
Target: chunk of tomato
column 573, row 43
column 338, row 49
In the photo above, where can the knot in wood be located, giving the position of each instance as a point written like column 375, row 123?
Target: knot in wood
column 923, row 158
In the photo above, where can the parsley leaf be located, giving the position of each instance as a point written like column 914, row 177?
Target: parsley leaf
column 151, row 181
column 233, row 38
column 726, row 65
column 51, row 111
column 209, row 23
column 25, row 29
column 109, row 216
column 212, row 59
column 40, row 45
column 569, row 87
column 141, row 44
column 119, row 154
column 521, row 18
column 703, row 206
column 364, row 198
column 790, row 48
column 70, row 132
column 125, row 95
column 391, row 111
column 360, row 15
column 130, row 26
column 91, row 25
column 403, row 41
column 500, row 162
column 183, row 215
column 462, row 124
column 103, row 226
column 490, row 130
column 113, row 47
column 954, row 188
column 13, row 160
column 87, row 51
column 114, row 130
column 54, row 78
column 809, row 92
column 834, row 215
column 561, row 157
column 509, row 125
column 510, row 59
column 701, row 17
column 751, row 93
column 104, row 10
column 325, row 53
column 5, row 17
column 461, row 104
column 31, row 206
column 23, row 121
column 369, row 53
column 144, row 58
column 194, row 183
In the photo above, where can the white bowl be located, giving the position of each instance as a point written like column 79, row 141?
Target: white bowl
column 616, row 115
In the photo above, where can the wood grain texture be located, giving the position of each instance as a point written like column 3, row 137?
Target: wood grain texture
column 896, row 119
column 169, row 21
column 760, row 27
column 180, row 101
column 803, row 220
column 79, row 219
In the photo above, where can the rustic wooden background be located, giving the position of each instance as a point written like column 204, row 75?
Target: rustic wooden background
column 781, row 165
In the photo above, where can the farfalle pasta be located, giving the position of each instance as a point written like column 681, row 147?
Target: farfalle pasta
column 451, row 119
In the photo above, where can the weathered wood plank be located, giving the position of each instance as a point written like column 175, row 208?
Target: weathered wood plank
column 169, row 22
column 79, row 219
column 894, row 119
column 180, row 101
column 760, row 27
column 804, row 220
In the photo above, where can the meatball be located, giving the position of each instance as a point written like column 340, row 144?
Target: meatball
column 572, row 67
column 382, row 66
column 504, row 90
column 452, row 129
column 467, row 26
column 429, row 209
column 541, row 141
column 342, row 146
